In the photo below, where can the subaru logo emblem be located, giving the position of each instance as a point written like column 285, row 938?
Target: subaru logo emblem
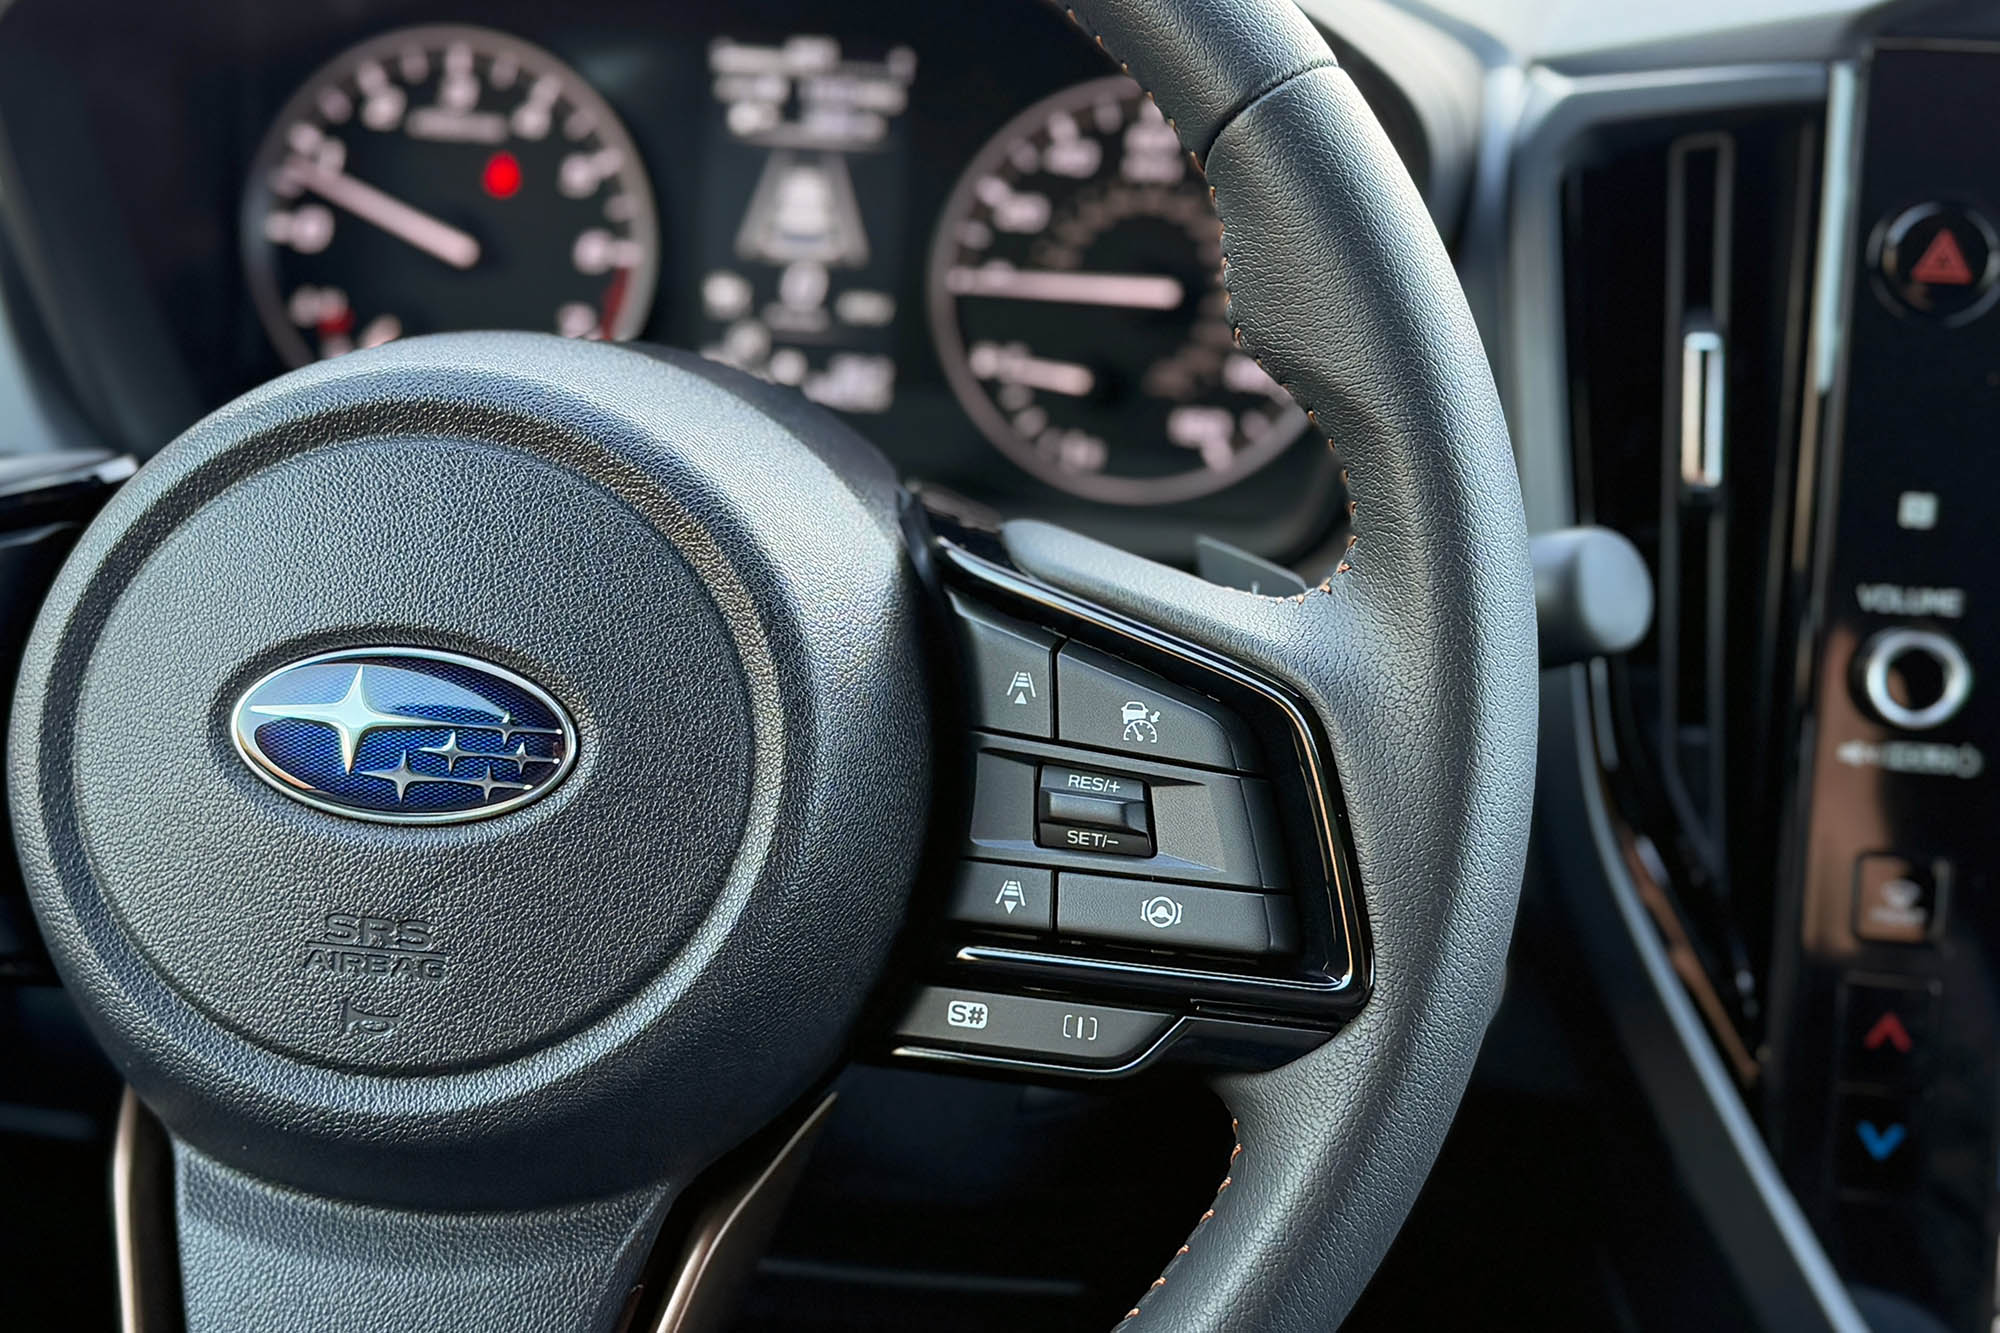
column 404, row 735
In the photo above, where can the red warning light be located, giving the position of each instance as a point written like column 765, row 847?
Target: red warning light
column 1943, row 263
column 502, row 177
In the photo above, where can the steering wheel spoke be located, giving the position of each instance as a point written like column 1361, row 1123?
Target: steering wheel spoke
column 1139, row 854
column 256, row 1256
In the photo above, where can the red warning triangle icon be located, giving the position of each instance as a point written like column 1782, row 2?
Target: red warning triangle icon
column 1943, row 263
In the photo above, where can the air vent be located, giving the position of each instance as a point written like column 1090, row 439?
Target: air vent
column 1687, row 250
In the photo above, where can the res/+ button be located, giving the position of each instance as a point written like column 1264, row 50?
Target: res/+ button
column 1092, row 812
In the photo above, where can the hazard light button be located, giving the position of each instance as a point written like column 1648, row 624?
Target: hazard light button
column 1939, row 260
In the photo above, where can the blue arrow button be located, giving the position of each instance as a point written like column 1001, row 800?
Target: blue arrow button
column 1881, row 1144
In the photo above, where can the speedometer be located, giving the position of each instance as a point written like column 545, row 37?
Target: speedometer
column 446, row 178
column 1076, row 298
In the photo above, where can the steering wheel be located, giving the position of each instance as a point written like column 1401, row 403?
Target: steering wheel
column 696, row 610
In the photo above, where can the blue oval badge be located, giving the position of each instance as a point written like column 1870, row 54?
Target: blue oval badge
column 404, row 735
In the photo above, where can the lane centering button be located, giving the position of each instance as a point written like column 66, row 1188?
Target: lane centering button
column 1175, row 916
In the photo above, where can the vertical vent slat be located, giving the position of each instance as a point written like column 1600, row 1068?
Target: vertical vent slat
column 1694, row 496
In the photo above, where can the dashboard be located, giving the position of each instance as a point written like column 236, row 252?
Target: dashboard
column 964, row 232
column 1736, row 263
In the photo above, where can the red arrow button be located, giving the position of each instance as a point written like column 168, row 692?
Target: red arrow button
column 1888, row 1030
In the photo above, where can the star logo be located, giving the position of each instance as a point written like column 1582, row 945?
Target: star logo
column 351, row 716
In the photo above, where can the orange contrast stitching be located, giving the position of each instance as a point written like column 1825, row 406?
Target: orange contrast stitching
column 1228, row 306
column 1181, row 1253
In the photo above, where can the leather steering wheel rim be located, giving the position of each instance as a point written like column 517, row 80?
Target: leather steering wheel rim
column 1418, row 654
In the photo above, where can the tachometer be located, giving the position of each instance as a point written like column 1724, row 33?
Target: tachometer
column 446, row 178
column 1076, row 297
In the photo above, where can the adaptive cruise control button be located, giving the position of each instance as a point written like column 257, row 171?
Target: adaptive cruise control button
column 1116, row 706
column 987, row 893
column 1010, row 668
column 1175, row 916
column 1052, row 1031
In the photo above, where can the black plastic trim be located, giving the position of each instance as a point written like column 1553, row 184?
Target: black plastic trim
column 1291, row 1005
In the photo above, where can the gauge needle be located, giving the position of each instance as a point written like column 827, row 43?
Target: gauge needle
column 1036, row 372
column 438, row 239
column 1132, row 291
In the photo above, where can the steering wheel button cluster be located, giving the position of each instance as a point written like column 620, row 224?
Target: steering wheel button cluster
column 988, row 893
column 1058, row 1031
column 1010, row 670
column 1175, row 916
column 1112, row 705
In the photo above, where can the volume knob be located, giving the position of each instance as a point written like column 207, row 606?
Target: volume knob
column 1913, row 679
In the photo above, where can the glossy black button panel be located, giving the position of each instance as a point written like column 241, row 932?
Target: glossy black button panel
column 1131, row 863
column 1175, row 916
column 1007, row 897
column 1023, row 1027
column 1112, row 705
column 1010, row 670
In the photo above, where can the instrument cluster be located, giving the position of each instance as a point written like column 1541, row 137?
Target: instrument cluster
column 963, row 231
